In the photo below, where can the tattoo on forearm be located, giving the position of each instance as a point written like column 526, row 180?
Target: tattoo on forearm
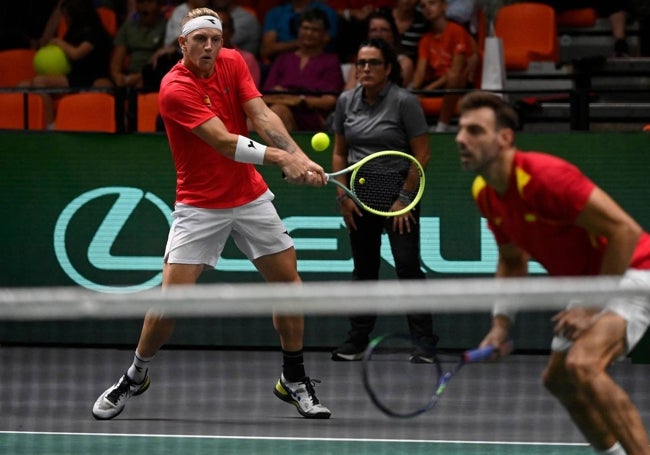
column 281, row 141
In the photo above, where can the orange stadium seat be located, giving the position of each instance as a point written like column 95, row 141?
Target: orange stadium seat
column 16, row 65
column 12, row 114
column 580, row 17
column 109, row 19
column 528, row 32
column 431, row 105
column 86, row 112
column 147, row 112
column 106, row 15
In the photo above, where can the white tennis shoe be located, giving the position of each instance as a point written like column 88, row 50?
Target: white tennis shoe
column 111, row 403
column 302, row 395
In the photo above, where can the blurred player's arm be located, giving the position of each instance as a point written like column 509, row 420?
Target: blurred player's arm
column 513, row 262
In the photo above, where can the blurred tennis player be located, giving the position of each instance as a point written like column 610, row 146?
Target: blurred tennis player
column 541, row 207
column 204, row 102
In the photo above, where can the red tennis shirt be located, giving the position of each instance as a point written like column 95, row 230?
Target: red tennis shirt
column 204, row 177
column 538, row 213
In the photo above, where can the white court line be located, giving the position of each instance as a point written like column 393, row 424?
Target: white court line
column 279, row 438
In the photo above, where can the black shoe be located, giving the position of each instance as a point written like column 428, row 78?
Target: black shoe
column 420, row 355
column 621, row 48
column 349, row 351
column 424, row 351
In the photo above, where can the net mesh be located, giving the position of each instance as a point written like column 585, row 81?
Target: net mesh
column 212, row 385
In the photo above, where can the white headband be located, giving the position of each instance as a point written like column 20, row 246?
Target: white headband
column 201, row 22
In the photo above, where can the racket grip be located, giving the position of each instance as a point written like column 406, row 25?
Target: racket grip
column 476, row 355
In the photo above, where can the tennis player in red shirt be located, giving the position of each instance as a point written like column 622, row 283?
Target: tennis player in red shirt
column 204, row 102
column 541, row 207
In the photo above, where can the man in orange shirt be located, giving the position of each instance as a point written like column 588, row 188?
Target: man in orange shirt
column 446, row 56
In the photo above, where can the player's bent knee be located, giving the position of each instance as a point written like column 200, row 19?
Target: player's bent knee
column 553, row 382
column 554, row 377
column 581, row 369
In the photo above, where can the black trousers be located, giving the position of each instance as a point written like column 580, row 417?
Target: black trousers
column 365, row 243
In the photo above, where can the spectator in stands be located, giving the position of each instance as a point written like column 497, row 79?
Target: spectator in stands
column 228, row 25
column 308, row 69
column 411, row 25
column 136, row 43
column 169, row 54
column 463, row 12
column 616, row 11
column 280, row 30
column 22, row 22
column 444, row 54
column 381, row 25
column 353, row 20
column 248, row 30
column 51, row 26
column 86, row 44
column 642, row 11
column 123, row 9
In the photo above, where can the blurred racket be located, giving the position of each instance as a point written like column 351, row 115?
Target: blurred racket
column 400, row 388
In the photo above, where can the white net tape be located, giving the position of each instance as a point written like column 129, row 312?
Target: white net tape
column 315, row 298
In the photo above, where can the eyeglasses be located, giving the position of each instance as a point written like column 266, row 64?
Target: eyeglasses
column 373, row 63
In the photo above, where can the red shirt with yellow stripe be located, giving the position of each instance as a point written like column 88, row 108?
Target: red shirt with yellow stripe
column 538, row 214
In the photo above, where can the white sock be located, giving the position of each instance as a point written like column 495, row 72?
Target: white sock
column 138, row 369
column 616, row 449
column 441, row 127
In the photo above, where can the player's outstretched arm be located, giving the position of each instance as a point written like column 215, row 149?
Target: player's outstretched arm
column 295, row 164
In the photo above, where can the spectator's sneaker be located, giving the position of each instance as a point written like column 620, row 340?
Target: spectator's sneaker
column 421, row 356
column 424, row 351
column 621, row 48
column 302, row 395
column 112, row 401
column 349, row 351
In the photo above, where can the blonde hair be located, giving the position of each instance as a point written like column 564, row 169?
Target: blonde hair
column 197, row 12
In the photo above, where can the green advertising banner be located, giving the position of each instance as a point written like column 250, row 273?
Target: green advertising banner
column 93, row 210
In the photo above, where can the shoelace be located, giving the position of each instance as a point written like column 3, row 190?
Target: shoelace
column 121, row 389
column 309, row 385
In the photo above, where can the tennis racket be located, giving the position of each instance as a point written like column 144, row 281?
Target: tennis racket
column 400, row 388
column 380, row 179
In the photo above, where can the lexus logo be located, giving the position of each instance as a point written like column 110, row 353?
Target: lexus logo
column 99, row 251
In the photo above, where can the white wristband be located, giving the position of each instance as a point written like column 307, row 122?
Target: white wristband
column 501, row 308
column 249, row 151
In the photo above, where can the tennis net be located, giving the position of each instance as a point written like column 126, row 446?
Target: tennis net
column 212, row 385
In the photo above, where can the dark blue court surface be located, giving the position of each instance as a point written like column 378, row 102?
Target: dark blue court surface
column 222, row 402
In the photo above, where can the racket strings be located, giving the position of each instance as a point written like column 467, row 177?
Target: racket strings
column 380, row 182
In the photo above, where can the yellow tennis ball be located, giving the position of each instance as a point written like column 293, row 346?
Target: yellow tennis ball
column 362, row 180
column 320, row 141
column 51, row 60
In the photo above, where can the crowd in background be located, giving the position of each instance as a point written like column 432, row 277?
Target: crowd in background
column 436, row 41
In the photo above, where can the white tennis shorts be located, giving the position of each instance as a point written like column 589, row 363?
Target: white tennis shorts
column 198, row 236
column 635, row 310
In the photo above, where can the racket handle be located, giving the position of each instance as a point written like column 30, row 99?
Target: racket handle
column 476, row 355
